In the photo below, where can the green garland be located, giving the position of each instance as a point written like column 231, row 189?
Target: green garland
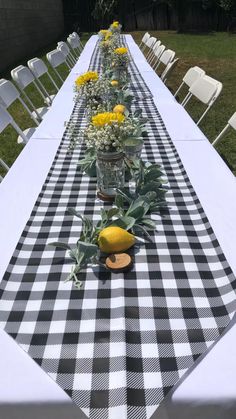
column 130, row 212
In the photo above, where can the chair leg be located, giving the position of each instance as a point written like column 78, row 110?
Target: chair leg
column 221, row 134
column 20, row 132
column 203, row 115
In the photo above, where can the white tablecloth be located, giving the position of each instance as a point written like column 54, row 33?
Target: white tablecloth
column 209, row 391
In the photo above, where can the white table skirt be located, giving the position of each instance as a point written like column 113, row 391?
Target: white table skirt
column 209, row 391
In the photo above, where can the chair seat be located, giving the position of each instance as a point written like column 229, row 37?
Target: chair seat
column 28, row 133
column 41, row 111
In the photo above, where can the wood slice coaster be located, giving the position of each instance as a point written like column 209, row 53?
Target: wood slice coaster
column 104, row 197
column 119, row 262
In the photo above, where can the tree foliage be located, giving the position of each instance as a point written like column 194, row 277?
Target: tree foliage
column 104, row 8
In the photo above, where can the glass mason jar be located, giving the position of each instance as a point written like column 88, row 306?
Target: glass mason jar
column 133, row 148
column 121, row 74
column 110, row 173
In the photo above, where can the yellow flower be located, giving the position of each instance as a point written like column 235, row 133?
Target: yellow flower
column 107, row 118
column 121, row 51
column 103, row 31
column 114, row 83
column 86, row 77
column 108, row 35
column 115, row 24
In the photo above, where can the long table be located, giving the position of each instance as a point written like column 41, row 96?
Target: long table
column 24, row 386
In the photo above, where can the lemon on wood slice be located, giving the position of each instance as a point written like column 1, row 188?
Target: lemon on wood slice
column 119, row 262
column 115, row 239
column 119, row 109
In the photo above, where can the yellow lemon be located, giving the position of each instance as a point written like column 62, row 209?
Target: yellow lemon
column 119, row 109
column 115, row 239
column 114, row 83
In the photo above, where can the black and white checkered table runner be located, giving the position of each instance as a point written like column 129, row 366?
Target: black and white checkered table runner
column 121, row 343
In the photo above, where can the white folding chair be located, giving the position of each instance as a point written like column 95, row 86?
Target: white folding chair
column 144, row 39
column 23, row 77
column 169, row 69
column 193, row 74
column 155, row 50
column 8, row 95
column 64, row 48
column 231, row 124
column 55, row 59
column 6, row 119
column 150, row 43
column 165, row 58
column 76, row 36
column 74, row 45
column 4, row 166
column 158, row 53
column 145, row 42
column 39, row 68
column 151, row 56
column 206, row 89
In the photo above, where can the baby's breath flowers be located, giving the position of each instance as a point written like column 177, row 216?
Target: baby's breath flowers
column 94, row 90
column 107, row 131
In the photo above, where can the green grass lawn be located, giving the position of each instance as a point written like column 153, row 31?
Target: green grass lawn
column 215, row 53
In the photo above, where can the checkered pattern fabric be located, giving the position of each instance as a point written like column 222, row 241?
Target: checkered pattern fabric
column 118, row 345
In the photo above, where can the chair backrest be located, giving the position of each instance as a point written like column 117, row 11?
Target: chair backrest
column 37, row 67
column 159, row 51
column 145, row 37
column 70, row 61
column 63, row 47
column 151, row 41
column 75, row 35
column 156, row 45
column 167, row 56
column 8, row 93
column 206, row 89
column 193, row 74
column 231, row 124
column 56, row 58
column 22, row 76
column 73, row 42
column 169, row 69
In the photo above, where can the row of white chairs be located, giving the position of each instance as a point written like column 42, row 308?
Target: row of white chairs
column 200, row 86
column 66, row 53
column 158, row 55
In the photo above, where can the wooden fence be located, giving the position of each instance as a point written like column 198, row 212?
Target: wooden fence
column 147, row 14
